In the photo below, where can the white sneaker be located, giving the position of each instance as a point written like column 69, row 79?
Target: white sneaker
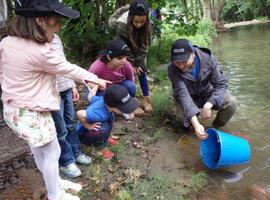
column 67, row 196
column 128, row 116
column 71, row 171
column 69, row 185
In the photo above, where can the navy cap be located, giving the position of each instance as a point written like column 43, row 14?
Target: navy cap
column 38, row 8
column 117, row 96
column 181, row 50
column 138, row 7
column 117, row 48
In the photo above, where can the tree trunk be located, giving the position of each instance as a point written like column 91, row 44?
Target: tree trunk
column 213, row 10
column 201, row 7
column 218, row 9
column 197, row 9
column 184, row 3
column 192, row 7
column 207, row 10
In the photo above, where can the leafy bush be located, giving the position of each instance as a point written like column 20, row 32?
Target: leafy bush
column 160, row 50
column 162, row 103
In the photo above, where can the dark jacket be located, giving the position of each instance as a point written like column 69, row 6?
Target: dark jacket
column 192, row 94
column 118, row 21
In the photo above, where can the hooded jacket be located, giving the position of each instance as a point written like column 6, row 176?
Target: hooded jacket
column 118, row 21
column 192, row 94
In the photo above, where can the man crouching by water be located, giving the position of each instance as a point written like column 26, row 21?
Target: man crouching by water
column 199, row 86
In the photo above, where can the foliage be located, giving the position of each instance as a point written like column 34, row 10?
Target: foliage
column 162, row 105
column 197, row 181
column 239, row 10
column 158, row 187
column 89, row 33
column 159, row 52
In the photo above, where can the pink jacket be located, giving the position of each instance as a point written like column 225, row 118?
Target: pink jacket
column 28, row 74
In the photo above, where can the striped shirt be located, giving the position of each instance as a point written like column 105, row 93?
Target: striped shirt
column 62, row 82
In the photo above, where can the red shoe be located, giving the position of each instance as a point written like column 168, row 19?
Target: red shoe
column 107, row 154
column 112, row 141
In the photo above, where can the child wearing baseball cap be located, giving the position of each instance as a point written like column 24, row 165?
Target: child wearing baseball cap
column 96, row 122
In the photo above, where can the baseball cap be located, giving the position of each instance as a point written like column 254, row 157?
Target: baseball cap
column 39, row 8
column 117, row 96
column 181, row 50
column 117, row 48
column 138, row 7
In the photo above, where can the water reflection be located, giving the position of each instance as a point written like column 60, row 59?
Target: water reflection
column 244, row 55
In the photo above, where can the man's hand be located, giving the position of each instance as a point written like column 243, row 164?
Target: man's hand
column 199, row 129
column 200, row 132
column 206, row 110
column 75, row 95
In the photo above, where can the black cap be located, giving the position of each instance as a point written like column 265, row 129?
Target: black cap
column 181, row 50
column 117, row 48
column 39, row 8
column 117, row 96
column 138, row 7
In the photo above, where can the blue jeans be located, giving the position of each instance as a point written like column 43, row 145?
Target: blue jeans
column 144, row 83
column 131, row 86
column 64, row 123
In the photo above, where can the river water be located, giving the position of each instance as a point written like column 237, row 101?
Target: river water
column 244, row 54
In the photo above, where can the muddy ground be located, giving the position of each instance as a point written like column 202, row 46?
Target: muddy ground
column 147, row 154
column 154, row 160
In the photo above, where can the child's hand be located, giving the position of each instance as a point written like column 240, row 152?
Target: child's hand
column 94, row 126
column 103, row 84
column 138, row 70
column 75, row 95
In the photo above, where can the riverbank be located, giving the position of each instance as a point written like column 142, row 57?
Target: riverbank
column 148, row 164
column 246, row 23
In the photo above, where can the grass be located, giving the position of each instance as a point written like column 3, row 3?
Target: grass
column 162, row 103
column 158, row 187
column 151, row 139
column 197, row 181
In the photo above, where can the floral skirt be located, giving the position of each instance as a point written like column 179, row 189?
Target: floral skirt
column 36, row 128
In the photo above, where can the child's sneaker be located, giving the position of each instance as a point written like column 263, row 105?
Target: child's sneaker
column 68, row 196
column 71, row 171
column 112, row 141
column 107, row 154
column 83, row 159
column 128, row 116
column 70, row 186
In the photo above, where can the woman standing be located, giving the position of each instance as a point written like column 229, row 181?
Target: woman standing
column 133, row 26
column 28, row 68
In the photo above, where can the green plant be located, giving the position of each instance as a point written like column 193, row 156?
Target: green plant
column 158, row 187
column 119, row 148
column 162, row 103
column 123, row 195
column 197, row 181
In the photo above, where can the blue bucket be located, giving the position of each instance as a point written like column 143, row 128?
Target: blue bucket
column 221, row 149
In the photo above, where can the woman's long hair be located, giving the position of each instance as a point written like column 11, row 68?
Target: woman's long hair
column 143, row 32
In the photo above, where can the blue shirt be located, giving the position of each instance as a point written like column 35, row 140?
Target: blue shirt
column 196, row 70
column 96, row 112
